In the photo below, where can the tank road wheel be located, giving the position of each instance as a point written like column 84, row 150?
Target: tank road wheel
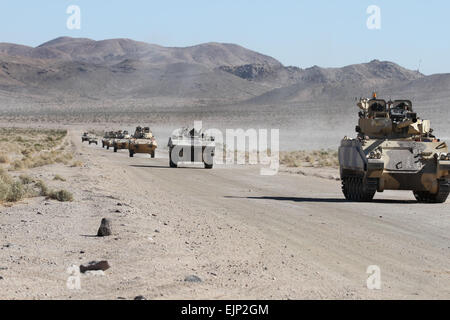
column 439, row 197
column 152, row 154
column 359, row 189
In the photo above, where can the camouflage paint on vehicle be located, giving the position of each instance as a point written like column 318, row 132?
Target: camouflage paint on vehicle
column 108, row 139
column 394, row 150
column 143, row 141
column 122, row 141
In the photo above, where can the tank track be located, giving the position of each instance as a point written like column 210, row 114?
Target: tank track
column 440, row 197
column 359, row 189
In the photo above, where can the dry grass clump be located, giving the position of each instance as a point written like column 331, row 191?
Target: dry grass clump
column 13, row 190
column 59, row 178
column 61, row 195
column 31, row 148
column 43, row 188
column 26, row 179
column 77, row 164
column 4, row 158
column 316, row 158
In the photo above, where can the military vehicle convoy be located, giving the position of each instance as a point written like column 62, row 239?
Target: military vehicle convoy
column 394, row 150
column 190, row 145
column 142, row 141
column 122, row 140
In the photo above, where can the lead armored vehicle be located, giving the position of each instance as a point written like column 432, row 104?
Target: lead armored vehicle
column 190, row 145
column 143, row 141
column 394, row 150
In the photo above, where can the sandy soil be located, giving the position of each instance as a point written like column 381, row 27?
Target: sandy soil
column 289, row 236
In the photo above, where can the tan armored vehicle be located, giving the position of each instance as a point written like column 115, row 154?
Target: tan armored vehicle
column 108, row 139
column 92, row 140
column 190, row 145
column 85, row 137
column 394, row 150
column 89, row 138
column 122, row 141
column 142, row 141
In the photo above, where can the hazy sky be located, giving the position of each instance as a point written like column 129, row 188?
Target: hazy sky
column 302, row 33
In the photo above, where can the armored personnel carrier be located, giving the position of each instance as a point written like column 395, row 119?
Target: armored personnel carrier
column 93, row 140
column 122, row 141
column 190, row 145
column 394, row 150
column 142, row 141
column 85, row 137
column 108, row 139
column 89, row 138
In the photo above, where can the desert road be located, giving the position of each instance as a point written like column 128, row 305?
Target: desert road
column 246, row 236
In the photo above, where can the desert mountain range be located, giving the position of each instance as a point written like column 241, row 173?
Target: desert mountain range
column 210, row 73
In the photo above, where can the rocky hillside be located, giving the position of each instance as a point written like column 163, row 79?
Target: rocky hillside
column 211, row 73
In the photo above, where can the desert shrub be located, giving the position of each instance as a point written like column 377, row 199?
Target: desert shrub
column 61, row 195
column 59, row 178
column 17, row 165
column 33, row 147
column 4, row 158
column 76, row 164
column 16, row 192
column 4, row 190
column 12, row 190
column 5, row 177
column 42, row 188
column 26, row 179
column 5, row 184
